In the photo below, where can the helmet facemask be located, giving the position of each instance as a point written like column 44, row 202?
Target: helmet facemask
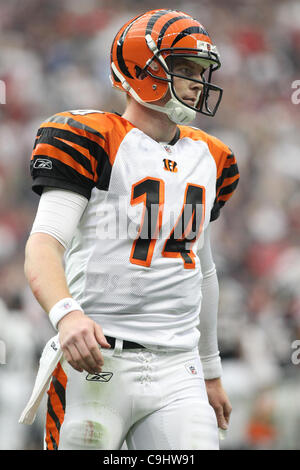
column 210, row 96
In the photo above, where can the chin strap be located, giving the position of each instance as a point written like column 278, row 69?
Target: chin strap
column 176, row 111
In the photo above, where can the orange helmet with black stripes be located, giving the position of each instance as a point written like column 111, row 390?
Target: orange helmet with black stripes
column 141, row 58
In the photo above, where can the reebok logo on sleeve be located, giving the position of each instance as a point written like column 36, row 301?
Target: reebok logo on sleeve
column 41, row 163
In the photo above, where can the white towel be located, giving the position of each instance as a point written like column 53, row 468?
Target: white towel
column 50, row 357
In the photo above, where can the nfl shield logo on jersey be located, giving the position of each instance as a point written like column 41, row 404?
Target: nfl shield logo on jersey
column 191, row 369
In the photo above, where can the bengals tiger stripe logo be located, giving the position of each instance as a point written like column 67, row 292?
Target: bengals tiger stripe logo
column 170, row 165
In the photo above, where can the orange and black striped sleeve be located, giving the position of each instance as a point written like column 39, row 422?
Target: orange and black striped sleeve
column 227, row 174
column 227, row 181
column 69, row 154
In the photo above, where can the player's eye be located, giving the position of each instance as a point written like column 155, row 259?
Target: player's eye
column 186, row 71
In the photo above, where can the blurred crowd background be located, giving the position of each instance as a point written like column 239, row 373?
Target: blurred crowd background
column 54, row 57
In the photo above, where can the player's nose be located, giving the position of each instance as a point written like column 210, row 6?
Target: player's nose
column 196, row 85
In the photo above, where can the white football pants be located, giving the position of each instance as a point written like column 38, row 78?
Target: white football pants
column 152, row 400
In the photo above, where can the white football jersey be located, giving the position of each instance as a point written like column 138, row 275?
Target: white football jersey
column 132, row 263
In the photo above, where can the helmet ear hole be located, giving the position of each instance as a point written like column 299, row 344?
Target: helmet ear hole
column 140, row 73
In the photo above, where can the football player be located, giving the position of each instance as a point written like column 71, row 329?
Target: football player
column 119, row 254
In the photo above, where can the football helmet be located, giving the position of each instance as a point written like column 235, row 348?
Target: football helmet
column 141, row 57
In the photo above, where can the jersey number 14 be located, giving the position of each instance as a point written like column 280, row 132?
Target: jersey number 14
column 187, row 229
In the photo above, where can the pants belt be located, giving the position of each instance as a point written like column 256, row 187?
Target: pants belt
column 126, row 344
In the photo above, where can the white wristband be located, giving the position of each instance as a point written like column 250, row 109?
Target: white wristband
column 62, row 308
column 212, row 368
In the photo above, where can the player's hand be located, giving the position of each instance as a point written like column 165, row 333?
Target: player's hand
column 80, row 337
column 218, row 399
